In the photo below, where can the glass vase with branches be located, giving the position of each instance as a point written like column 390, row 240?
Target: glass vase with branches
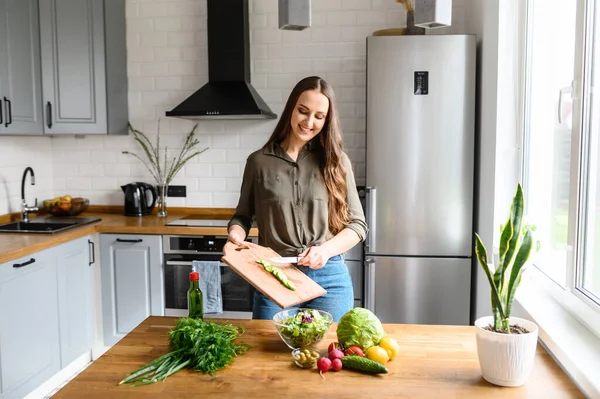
column 160, row 164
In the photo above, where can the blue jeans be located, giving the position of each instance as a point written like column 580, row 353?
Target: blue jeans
column 334, row 277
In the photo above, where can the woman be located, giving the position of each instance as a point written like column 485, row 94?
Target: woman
column 300, row 189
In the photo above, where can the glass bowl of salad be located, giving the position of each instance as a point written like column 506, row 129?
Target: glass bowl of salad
column 302, row 328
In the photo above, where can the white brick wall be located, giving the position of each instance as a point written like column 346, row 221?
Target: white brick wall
column 16, row 153
column 167, row 49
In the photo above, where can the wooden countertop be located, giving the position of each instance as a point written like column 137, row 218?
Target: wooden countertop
column 434, row 361
column 13, row 246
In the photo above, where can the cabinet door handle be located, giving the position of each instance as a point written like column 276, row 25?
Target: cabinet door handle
column 1, row 112
column 49, row 112
column 29, row 262
column 122, row 240
column 92, row 254
column 8, row 112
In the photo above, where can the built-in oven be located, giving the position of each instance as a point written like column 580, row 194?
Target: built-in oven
column 179, row 253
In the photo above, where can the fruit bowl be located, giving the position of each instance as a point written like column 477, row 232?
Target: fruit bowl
column 66, row 205
column 302, row 328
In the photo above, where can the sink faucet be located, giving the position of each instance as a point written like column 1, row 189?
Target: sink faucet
column 24, row 208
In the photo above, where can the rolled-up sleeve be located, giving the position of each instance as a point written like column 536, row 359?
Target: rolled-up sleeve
column 355, row 210
column 244, row 212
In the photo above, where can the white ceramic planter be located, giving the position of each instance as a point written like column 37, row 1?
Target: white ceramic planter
column 506, row 359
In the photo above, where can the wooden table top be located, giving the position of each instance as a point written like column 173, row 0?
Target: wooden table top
column 434, row 362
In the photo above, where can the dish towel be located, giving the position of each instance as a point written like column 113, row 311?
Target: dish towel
column 210, row 285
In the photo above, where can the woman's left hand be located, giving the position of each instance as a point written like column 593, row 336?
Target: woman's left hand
column 314, row 257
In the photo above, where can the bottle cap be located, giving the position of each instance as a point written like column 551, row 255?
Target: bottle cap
column 194, row 276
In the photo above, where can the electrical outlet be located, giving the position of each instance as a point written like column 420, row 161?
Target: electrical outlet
column 176, row 191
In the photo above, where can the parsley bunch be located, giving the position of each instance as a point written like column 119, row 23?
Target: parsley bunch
column 195, row 344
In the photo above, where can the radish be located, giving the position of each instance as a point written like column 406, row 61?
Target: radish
column 336, row 364
column 332, row 346
column 336, row 354
column 323, row 364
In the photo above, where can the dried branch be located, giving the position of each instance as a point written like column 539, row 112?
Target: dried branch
column 166, row 173
column 408, row 4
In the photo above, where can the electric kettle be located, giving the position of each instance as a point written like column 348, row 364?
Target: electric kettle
column 140, row 198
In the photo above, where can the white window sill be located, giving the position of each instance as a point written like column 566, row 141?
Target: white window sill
column 574, row 347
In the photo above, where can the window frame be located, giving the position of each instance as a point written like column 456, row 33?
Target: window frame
column 573, row 297
column 584, row 54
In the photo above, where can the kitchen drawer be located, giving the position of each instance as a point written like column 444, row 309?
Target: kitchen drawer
column 30, row 263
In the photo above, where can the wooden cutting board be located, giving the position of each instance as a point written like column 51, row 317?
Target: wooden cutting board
column 243, row 262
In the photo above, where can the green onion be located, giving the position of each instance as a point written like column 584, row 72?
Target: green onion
column 196, row 344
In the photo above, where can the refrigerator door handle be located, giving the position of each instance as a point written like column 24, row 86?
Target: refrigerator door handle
column 371, row 196
column 370, row 284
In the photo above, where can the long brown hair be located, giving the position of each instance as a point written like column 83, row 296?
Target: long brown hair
column 330, row 138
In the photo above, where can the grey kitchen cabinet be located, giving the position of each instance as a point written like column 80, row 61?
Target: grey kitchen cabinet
column 75, row 300
column 132, row 282
column 84, row 66
column 21, row 111
column 29, row 342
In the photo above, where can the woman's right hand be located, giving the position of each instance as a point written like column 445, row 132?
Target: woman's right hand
column 237, row 235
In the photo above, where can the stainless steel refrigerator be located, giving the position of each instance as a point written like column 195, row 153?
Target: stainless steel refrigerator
column 419, row 166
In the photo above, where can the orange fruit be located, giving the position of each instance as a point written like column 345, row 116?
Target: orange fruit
column 65, row 204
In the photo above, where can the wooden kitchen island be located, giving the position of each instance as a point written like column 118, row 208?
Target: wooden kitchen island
column 434, row 362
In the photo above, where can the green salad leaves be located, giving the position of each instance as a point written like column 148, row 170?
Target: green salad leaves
column 304, row 328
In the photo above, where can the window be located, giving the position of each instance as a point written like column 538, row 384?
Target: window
column 561, row 167
column 550, row 64
column 588, row 275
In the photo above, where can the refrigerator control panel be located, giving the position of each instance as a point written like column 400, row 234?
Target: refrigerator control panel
column 421, row 83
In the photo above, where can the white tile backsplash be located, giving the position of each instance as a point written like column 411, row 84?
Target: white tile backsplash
column 167, row 49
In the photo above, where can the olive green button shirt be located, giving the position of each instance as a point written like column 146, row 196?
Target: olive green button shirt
column 289, row 199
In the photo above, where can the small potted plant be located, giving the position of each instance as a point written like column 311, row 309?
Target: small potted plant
column 160, row 166
column 506, row 345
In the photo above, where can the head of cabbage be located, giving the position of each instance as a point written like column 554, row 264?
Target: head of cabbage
column 360, row 327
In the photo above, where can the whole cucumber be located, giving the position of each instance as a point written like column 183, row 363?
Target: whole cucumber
column 363, row 364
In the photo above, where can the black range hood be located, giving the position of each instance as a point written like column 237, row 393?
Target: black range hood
column 228, row 93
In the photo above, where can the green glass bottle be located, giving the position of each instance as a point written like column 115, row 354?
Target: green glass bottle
column 195, row 297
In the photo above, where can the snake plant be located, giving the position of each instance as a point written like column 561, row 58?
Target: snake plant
column 516, row 245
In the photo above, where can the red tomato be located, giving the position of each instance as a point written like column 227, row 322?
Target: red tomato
column 354, row 350
column 332, row 346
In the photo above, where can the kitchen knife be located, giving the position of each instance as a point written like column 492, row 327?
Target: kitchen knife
column 289, row 259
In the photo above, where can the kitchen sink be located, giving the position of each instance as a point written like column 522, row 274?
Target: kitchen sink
column 45, row 225
column 34, row 227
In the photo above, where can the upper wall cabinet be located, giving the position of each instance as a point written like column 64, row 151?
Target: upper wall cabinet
column 63, row 67
column 20, row 82
column 84, row 66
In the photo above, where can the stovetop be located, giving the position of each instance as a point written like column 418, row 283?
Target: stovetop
column 198, row 223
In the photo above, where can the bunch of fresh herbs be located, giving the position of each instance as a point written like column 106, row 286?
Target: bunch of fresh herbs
column 195, row 344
